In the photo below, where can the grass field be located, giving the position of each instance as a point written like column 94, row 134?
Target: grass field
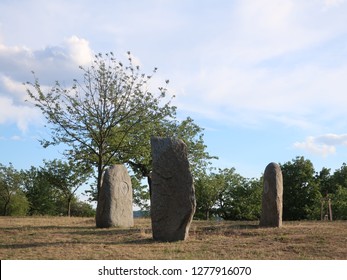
column 77, row 238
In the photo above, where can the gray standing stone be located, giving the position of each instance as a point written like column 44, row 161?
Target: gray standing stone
column 272, row 202
column 173, row 197
column 115, row 203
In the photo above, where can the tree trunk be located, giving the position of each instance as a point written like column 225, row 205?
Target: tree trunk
column 69, row 206
column 5, row 209
column 207, row 214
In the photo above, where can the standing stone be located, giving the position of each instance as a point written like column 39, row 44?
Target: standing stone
column 271, row 215
column 173, row 196
column 115, row 203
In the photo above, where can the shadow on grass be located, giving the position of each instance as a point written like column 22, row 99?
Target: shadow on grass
column 30, row 245
column 85, row 230
column 141, row 241
column 127, row 236
column 44, row 228
column 132, row 236
column 228, row 227
column 106, row 231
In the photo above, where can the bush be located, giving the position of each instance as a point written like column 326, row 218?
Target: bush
column 82, row 209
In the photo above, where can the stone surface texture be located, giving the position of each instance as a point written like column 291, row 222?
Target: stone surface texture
column 115, row 203
column 173, row 197
column 272, row 201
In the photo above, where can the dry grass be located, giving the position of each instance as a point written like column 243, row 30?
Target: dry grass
column 77, row 238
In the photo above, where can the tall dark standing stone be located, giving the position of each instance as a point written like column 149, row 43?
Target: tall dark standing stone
column 115, row 203
column 173, row 196
column 271, row 215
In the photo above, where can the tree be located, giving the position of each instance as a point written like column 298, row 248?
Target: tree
column 19, row 205
column 82, row 209
column 51, row 188
column 325, row 181
column 66, row 178
column 12, row 199
column 339, row 178
column 339, row 193
column 43, row 198
column 301, row 196
column 95, row 117
column 339, row 203
column 241, row 198
column 208, row 188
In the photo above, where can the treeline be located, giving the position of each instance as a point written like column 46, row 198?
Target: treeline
column 51, row 190
column 226, row 194
column 47, row 190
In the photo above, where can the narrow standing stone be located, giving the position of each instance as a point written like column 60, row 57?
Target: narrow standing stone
column 271, row 215
column 173, row 196
column 115, row 203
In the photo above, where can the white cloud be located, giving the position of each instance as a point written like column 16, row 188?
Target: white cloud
column 313, row 147
column 79, row 50
column 21, row 115
column 333, row 139
column 50, row 64
column 15, row 88
column 323, row 145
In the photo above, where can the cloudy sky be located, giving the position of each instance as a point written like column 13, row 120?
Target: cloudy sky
column 267, row 79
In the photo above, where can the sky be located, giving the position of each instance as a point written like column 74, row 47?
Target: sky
column 266, row 79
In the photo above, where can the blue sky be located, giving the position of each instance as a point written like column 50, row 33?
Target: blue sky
column 267, row 79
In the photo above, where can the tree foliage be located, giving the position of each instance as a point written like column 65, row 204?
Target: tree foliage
column 325, row 181
column 43, row 198
column 301, row 192
column 339, row 203
column 208, row 188
column 13, row 202
column 51, row 189
column 66, row 178
column 241, row 199
column 228, row 195
column 338, row 192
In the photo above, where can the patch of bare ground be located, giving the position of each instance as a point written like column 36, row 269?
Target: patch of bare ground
column 77, row 238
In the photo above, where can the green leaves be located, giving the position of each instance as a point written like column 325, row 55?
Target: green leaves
column 12, row 199
column 228, row 195
column 301, row 196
